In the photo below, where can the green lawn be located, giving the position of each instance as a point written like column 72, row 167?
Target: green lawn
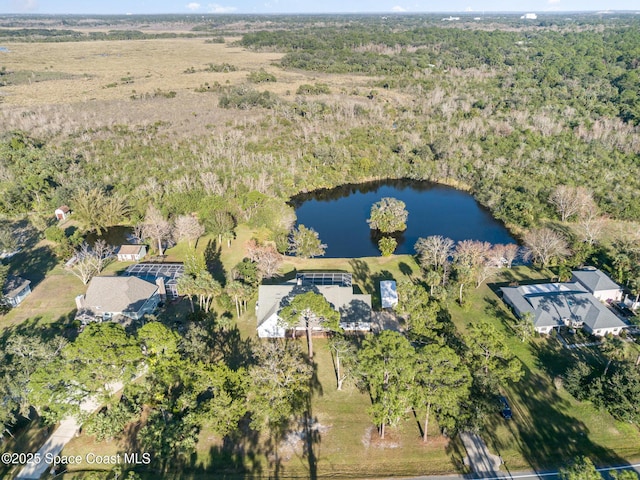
column 549, row 426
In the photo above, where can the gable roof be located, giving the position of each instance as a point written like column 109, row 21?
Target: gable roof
column 63, row 208
column 388, row 293
column 130, row 249
column 595, row 280
column 14, row 285
column 117, row 294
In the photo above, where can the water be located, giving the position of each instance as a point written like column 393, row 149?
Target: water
column 340, row 216
column 115, row 236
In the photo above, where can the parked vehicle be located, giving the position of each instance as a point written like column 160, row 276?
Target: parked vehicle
column 505, row 409
column 623, row 309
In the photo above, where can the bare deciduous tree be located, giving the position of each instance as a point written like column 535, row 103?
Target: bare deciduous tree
column 570, row 201
column 545, row 245
column 503, row 255
column 511, row 252
column 434, row 253
column 156, row 227
column 269, row 261
column 91, row 261
column 138, row 232
column 266, row 257
column 187, row 227
column 475, row 257
column 590, row 227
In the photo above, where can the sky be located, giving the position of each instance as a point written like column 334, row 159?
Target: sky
column 109, row 7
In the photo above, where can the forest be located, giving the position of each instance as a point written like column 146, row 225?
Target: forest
column 201, row 155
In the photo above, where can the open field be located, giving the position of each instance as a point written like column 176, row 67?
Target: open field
column 68, row 88
column 112, row 70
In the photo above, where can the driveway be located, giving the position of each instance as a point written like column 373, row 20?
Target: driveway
column 478, row 458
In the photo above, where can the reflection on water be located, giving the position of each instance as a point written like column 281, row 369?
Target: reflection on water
column 340, row 216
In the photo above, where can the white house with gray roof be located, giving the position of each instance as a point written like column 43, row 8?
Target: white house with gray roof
column 117, row 298
column 355, row 309
column 15, row 290
column 598, row 284
column 552, row 305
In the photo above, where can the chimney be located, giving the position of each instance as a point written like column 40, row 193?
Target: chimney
column 80, row 301
column 162, row 291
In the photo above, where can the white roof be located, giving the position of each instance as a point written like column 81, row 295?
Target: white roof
column 388, row 293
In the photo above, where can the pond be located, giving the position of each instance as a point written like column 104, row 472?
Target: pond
column 340, row 216
column 116, row 236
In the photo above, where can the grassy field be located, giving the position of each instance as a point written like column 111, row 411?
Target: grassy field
column 63, row 89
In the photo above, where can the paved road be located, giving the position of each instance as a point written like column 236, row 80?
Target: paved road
column 518, row 475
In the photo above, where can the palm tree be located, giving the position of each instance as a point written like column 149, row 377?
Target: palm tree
column 616, row 349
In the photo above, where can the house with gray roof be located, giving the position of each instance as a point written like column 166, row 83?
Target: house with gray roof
column 552, row 305
column 355, row 309
column 598, row 284
column 15, row 290
column 120, row 299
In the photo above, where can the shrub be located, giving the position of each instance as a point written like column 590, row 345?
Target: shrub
column 261, row 76
column 315, row 89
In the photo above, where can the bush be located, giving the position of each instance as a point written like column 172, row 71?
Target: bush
column 220, row 67
column 261, row 76
column 244, row 97
column 55, row 234
column 315, row 89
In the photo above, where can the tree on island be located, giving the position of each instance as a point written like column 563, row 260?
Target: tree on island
column 388, row 215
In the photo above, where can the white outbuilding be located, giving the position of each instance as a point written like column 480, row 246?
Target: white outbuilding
column 388, row 293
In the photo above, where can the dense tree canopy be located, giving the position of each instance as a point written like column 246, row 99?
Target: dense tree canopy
column 388, row 215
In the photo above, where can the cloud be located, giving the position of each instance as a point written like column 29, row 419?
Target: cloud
column 398, row 8
column 25, row 5
column 551, row 2
column 193, row 6
column 215, row 8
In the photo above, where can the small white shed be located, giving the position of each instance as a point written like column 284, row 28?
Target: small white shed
column 388, row 293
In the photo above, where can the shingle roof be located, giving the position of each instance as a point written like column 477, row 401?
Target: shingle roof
column 117, row 294
column 14, row 285
column 352, row 307
column 595, row 280
column 552, row 303
column 130, row 249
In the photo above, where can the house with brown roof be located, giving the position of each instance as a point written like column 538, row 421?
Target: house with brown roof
column 120, row 299
column 62, row 212
column 131, row 253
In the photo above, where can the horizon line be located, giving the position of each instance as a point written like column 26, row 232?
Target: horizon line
column 432, row 12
